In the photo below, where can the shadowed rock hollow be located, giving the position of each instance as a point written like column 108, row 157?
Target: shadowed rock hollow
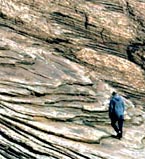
column 59, row 62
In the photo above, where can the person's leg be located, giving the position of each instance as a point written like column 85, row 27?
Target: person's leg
column 113, row 124
column 120, row 126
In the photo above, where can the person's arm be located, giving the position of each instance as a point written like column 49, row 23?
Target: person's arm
column 110, row 108
column 123, row 105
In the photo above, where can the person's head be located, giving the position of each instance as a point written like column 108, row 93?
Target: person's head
column 114, row 93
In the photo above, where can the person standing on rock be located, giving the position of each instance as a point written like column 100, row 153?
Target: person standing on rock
column 116, row 113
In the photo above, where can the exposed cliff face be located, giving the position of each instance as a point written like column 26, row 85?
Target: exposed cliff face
column 59, row 62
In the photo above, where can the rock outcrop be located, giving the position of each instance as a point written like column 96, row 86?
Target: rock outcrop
column 59, row 63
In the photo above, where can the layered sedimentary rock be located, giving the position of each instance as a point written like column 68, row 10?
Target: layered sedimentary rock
column 59, row 63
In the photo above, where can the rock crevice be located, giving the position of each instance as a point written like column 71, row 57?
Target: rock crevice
column 59, row 63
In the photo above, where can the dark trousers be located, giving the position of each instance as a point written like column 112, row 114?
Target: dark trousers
column 117, row 124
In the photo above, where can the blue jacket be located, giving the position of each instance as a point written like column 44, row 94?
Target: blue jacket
column 116, row 107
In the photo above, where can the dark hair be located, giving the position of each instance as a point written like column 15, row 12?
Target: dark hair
column 114, row 93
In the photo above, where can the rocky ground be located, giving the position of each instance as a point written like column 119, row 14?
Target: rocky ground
column 59, row 63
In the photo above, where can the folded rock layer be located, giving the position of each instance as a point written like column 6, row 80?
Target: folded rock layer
column 59, row 63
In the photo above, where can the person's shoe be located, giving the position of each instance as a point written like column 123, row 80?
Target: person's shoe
column 119, row 135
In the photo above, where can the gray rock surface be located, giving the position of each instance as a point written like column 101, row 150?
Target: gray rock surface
column 59, row 63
